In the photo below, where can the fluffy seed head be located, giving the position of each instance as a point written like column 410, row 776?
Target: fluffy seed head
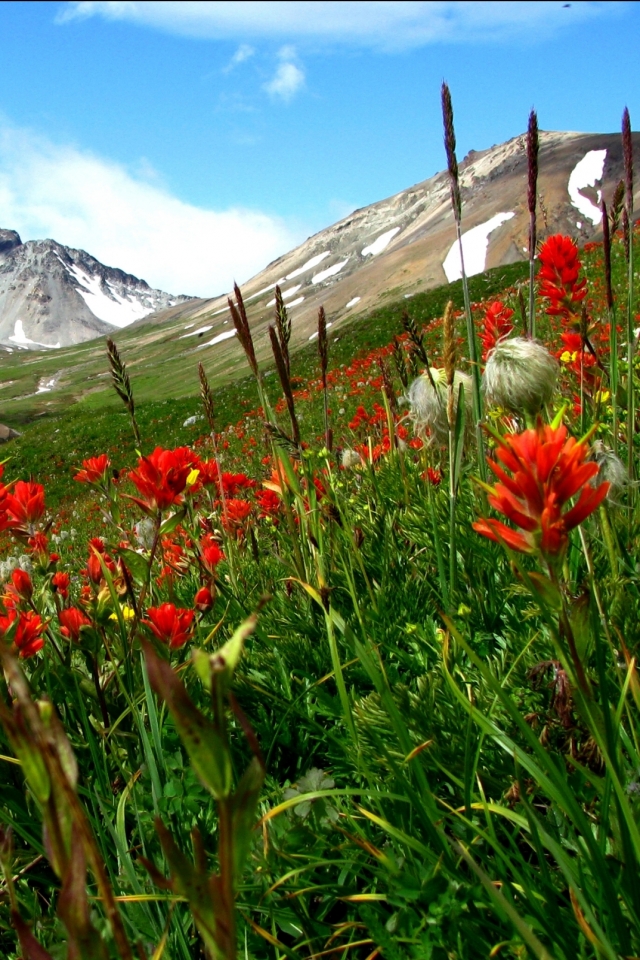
column 428, row 398
column 611, row 469
column 520, row 376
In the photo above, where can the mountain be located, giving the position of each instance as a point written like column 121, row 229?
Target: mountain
column 53, row 296
column 379, row 254
column 407, row 243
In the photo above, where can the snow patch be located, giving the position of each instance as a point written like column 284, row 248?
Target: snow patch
column 193, row 333
column 286, row 293
column 319, row 257
column 329, row 272
column 119, row 311
column 475, row 243
column 45, row 386
column 314, row 335
column 586, row 173
column 379, row 245
column 353, row 302
column 20, row 337
column 219, row 338
column 294, row 303
column 266, row 289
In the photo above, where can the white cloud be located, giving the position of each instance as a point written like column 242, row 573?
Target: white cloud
column 88, row 202
column 288, row 78
column 389, row 24
column 243, row 53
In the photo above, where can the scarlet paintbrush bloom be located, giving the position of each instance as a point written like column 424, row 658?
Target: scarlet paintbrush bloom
column 28, row 636
column 171, row 624
column 547, row 469
column 71, row 620
column 25, row 504
column 60, row 583
column 232, row 482
column 496, row 324
column 203, row 600
column 210, row 553
column 270, row 503
column 22, row 584
column 161, row 478
column 94, row 469
column 237, row 512
column 558, row 277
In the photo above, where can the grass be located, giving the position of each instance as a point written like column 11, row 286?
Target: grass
column 448, row 732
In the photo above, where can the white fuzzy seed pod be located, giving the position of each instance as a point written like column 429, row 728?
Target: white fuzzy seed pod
column 428, row 403
column 520, row 375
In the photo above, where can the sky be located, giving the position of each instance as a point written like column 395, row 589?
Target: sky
column 192, row 143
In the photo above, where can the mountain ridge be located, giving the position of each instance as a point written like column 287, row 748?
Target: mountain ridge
column 52, row 295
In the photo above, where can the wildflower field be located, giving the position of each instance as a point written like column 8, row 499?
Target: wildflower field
column 352, row 674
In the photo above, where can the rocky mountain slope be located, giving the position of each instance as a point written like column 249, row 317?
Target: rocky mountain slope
column 406, row 243
column 53, row 296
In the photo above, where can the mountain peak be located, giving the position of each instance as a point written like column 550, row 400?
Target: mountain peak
column 9, row 239
column 54, row 296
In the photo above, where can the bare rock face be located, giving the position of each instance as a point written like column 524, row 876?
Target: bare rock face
column 9, row 239
column 7, row 433
column 53, row 296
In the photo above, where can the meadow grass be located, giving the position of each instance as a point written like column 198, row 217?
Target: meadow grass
column 419, row 744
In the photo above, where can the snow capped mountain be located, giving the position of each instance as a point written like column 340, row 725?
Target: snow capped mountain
column 53, row 296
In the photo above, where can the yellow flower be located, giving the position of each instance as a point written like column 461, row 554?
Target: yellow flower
column 128, row 613
column 193, row 477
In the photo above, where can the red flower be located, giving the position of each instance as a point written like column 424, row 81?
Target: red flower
column 60, row 583
column 558, row 277
column 94, row 469
column 210, row 553
column 547, row 470
column 162, row 477
column 71, row 621
column 236, row 512
column 232, row 482
column 496, row 325
column 28, row 635
column 203, row 600
column 25, row 505
column 22, row 584
column 170, row 624
column 270, row 503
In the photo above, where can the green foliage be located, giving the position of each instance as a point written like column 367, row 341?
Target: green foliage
column 440, row 782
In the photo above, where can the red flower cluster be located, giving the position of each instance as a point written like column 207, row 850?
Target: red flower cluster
column 93, row 470
column 547, row 470
column 25, row 629
column 161, row 477
column 496, row 324
column 71, row 620
column 22, row 507
column 171, row 625
column 558, row 277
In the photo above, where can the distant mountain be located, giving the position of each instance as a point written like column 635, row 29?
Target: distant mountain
column 53, row 296
column 394, row 248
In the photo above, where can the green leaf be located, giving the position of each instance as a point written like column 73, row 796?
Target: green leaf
column 136, row 563
column 169, row 525
column 244, row 804
column 207, row 750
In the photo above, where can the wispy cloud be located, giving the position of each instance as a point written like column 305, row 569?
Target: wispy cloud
column 288, row 78
column 242, row 54
column 386, row 24
column 129, row 221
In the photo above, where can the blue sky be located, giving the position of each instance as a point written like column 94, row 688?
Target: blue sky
column 191, row 143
